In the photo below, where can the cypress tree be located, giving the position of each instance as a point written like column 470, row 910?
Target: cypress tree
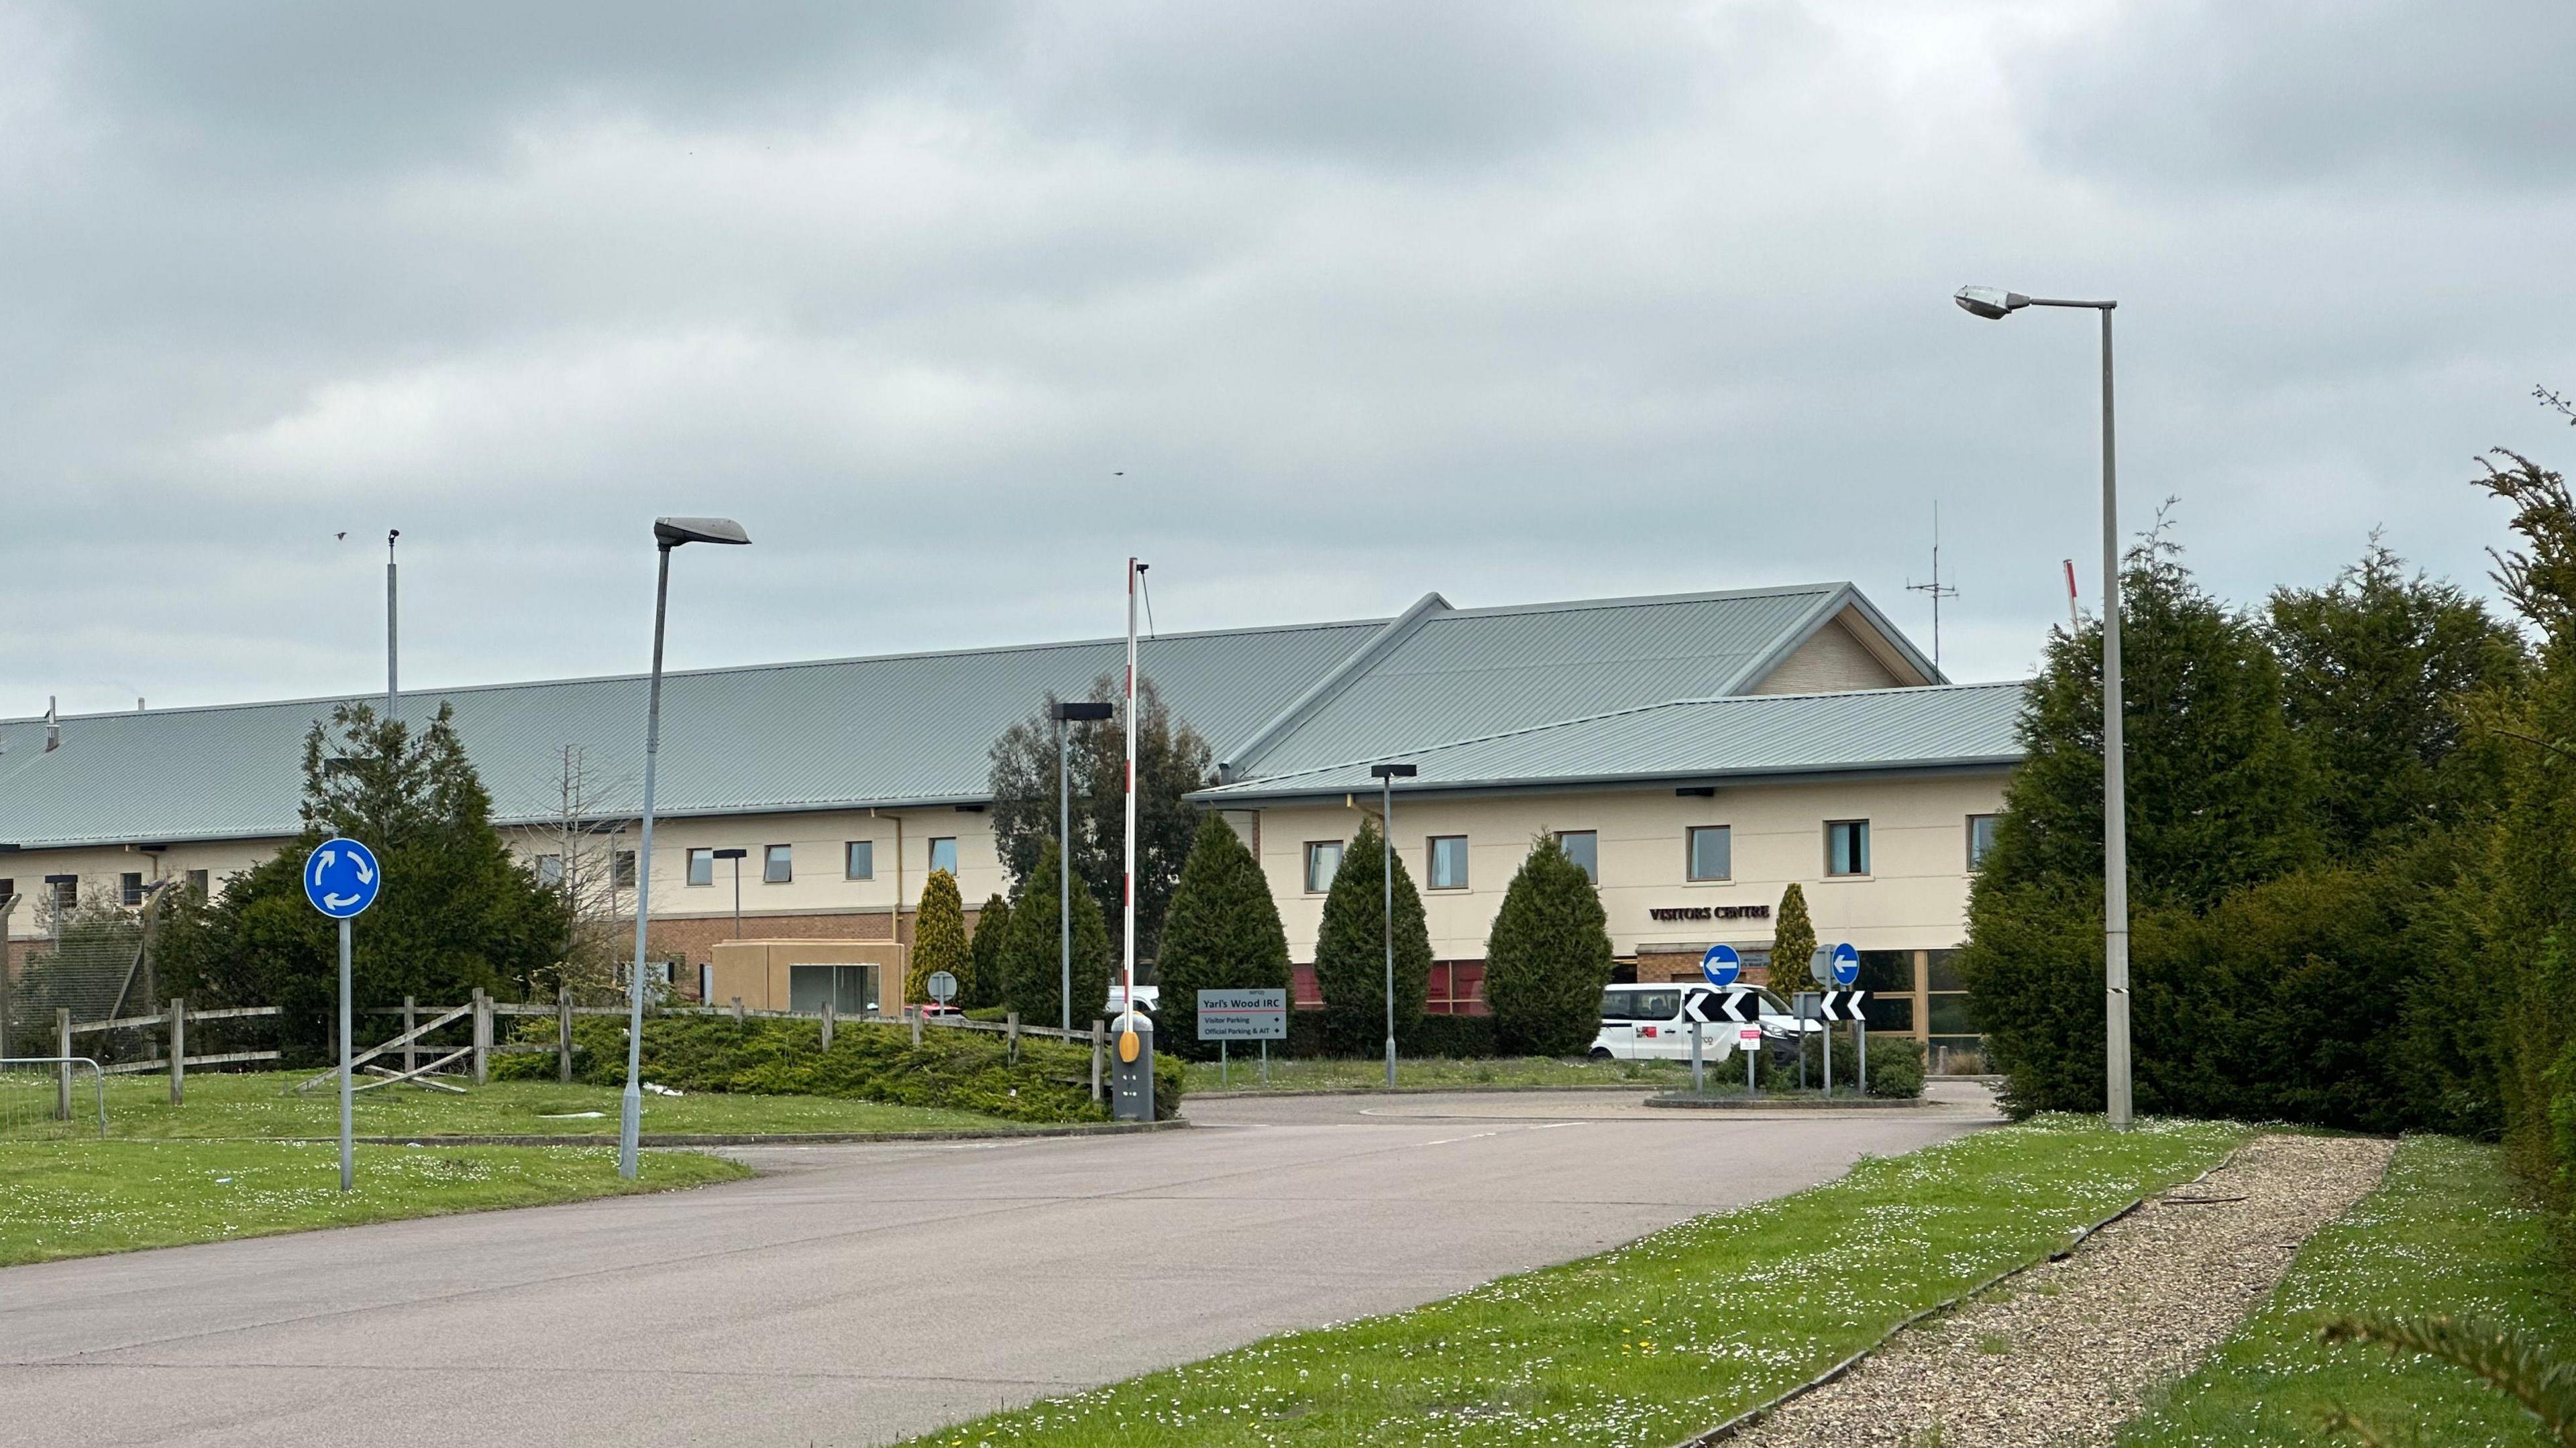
column 1350, row 951
column 1222, row 932
column 1793, row 943
column 938, row 938
column 1547, row 957
column 1032, row 968
column 984, row 951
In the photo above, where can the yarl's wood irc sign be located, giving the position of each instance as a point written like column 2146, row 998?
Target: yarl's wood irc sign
column 1243, row 1015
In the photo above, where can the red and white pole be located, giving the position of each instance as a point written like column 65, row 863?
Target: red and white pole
column 1127, row 1044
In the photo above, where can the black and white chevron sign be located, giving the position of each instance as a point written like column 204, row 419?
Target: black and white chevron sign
column 1732, row 1008
column 1843, row 1005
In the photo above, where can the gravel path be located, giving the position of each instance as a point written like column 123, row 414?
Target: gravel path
column 2062, row 1354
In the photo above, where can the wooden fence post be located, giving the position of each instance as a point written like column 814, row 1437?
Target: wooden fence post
column 1095, row 1060
column 178, row 1050
column 915, row 1013
column 737, row 1010
column 482, row 1040
column 63, row 1076
column 827, row 1024
column 411, row 1018
column 563, row 1033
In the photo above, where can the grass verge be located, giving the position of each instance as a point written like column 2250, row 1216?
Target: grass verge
column 1662, row 1338
column 1318, row 1074
column 2449, row 1231
column 264, row 1104
column 78, row 1199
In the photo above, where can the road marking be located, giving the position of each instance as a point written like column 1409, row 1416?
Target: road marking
column 1444, row 1141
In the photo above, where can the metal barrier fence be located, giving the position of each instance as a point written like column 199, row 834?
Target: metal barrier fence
column 37, row 1105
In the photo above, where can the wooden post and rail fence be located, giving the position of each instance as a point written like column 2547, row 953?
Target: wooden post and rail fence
column 482, row 1043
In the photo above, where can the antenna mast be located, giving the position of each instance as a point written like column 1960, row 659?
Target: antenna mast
column 1936, row 588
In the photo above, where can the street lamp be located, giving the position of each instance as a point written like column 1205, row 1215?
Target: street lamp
column 736, row 857
column 1994, row 305
column 1066, row 713
column 1386, row 775
column 668, row 533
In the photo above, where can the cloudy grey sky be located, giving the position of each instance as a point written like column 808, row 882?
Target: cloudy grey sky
column 1315, row 306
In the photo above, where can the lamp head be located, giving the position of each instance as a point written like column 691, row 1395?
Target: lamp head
column 731, row 854
column 1992, row 303
column 672, row 532
column 1068, row 711
column 1391, row 771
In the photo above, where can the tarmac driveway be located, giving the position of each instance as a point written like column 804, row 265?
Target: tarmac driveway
column 858, row 1294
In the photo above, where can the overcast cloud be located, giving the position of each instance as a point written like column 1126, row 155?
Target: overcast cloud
column 1316, row 307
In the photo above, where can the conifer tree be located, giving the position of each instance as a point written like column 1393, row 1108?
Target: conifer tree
column 984, row 951
column 1032, row 967
column 938, row 938
column 1793, row 943
column 1222, row 932
column 1350, row 951
column 1547, row 957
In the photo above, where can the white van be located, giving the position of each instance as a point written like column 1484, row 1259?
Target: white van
column 1645, row 1023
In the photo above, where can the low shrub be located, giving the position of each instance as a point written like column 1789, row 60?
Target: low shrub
column 964, row 1070
column 1895, row 1064
column 1459, row 1038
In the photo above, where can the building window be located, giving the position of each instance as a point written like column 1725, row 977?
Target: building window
column 702, row 867
column 129, row 887
column 1847, row 847
column 943, row 855
column 1323, row 862
column 1448, row 862
column 65, row 890
column 1981, row 840
column 1583, row 847
column 777, row 864
column 198, row 883
column 621, row 867
column 8, row 888
column 861, row 863
column 550, row 870
column 1712, row 852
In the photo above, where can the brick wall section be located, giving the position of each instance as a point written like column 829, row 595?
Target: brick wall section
column 693, row 938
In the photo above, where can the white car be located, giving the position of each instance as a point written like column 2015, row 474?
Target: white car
column 1646, row 1023
column 1146, row 995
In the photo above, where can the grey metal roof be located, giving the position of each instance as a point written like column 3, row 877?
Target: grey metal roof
column 1930, row 727
column 1461, row 673
column 902, row 729
column 915, row 729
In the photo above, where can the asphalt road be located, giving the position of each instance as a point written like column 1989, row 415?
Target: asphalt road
column 858, row 1294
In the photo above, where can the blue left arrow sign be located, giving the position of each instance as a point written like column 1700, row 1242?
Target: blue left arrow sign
column 341, row 878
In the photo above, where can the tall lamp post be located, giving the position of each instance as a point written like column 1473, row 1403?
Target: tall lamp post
column 1067, row 713
column 1386, row 775
column 734, row 855
column 1994, row 305
column 668, row 534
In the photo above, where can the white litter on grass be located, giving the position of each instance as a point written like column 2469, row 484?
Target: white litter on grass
column 223, row 1181
column 661, row 1090
column 570, row 1115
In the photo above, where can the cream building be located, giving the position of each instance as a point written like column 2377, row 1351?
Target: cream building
column 1705, row 749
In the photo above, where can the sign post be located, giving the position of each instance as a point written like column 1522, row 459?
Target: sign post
column 1739, row 1008
column 341, row 879
column 942, row 986
column 1243, row 1015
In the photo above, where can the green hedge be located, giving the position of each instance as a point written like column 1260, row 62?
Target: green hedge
column 964, row 1070
column 1895, row 1064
